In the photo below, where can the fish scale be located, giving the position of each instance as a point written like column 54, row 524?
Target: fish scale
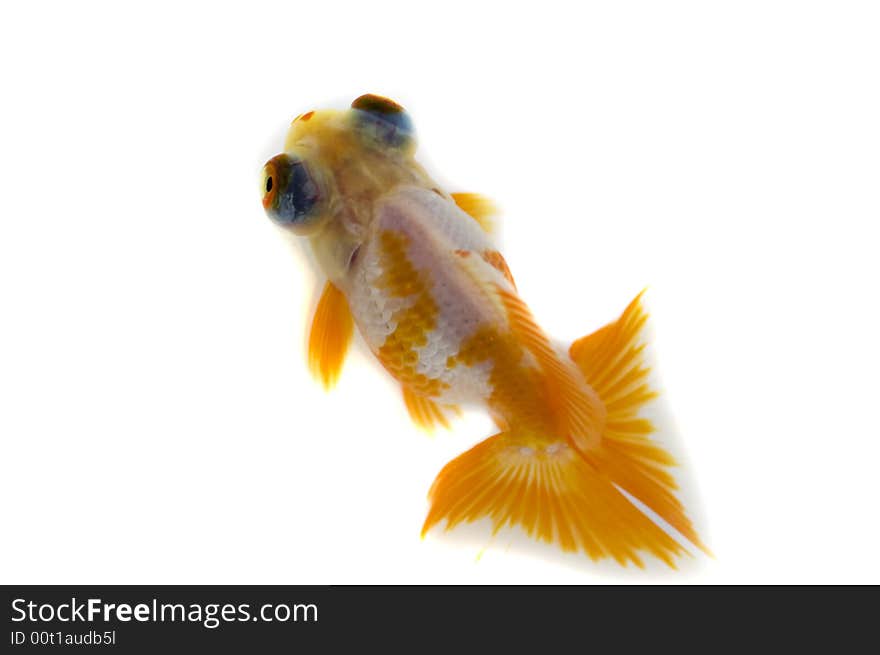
column 433, row 329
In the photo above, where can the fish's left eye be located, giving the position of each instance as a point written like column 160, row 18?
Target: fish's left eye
column 290, row 194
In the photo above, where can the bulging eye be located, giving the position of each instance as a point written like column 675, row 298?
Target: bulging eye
column 290, row 194
column 384, row 120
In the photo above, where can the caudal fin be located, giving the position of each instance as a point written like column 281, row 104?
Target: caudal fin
column 611, row 360
column 553, row 493
column 563, row 494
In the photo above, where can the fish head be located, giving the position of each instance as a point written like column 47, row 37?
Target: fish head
column 336, row 161
column 335, row 165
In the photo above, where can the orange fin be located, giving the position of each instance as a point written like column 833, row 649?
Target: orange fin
column 553, row 493
column 556, row 489
column 579, row 409
column 611, row 360
column 494, row 259
column 478, row 207
column 425, row 412
column 330, row 336
column 497, row 261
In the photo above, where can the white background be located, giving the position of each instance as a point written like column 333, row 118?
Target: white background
column 158, row 424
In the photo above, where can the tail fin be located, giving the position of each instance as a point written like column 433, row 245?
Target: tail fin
column 553, row 493
column 567, row 496
column 611, row 360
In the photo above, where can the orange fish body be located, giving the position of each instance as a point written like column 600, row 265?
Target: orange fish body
column 416, row 270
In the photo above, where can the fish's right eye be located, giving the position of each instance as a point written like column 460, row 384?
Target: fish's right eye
column 290, row 194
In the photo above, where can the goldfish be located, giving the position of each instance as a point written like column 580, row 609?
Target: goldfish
column 416, row 270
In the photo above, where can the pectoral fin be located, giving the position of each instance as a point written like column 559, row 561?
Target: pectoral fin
column 330, row 336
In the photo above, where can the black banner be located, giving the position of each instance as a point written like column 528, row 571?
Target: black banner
column 268, row 619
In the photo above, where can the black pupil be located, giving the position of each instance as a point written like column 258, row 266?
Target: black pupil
column 268, row 184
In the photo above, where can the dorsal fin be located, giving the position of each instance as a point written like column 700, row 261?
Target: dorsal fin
column 497, row 261
column 581, row 413
column 478, row 207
